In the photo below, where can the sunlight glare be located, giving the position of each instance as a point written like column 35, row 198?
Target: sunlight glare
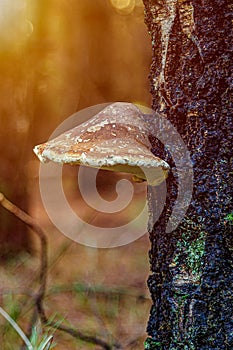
column 14, row 24
column 123, row 5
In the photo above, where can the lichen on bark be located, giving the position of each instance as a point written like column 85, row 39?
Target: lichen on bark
column 191, row 84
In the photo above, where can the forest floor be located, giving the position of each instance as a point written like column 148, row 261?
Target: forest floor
column 99, row 292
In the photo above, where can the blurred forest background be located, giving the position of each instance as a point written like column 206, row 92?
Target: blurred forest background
column 56, row 58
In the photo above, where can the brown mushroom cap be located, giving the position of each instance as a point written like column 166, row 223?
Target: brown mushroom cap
column 114, row 139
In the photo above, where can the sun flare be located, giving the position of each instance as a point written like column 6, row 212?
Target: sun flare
column 15, row 23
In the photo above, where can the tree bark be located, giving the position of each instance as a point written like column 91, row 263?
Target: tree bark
column 192, row 268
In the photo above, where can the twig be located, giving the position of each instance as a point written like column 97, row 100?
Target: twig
column 18, row 291
column 134, row 342
column 81, row 289
column 100, row 290
column 28, row 220
column 86, row 338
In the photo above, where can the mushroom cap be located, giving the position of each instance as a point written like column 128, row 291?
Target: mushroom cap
column 114, row 139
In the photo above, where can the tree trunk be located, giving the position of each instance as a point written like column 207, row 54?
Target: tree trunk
column 14, row 121
column 192, row 268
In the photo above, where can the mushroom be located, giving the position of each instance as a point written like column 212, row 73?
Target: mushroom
column 116, row 139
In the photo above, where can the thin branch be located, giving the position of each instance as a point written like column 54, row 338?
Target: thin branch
column 39, row 296
column 100, row 290
column 81, row 336
column 133, row 343
column 80, row 288
column 28, row 220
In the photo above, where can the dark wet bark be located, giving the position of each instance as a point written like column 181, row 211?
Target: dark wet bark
column 191, row 268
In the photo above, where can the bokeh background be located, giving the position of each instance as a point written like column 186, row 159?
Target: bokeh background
column 56, row 58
